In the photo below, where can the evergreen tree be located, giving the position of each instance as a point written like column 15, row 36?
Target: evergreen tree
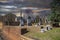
column 55, row 8
column 55, row 15
column 10, row 17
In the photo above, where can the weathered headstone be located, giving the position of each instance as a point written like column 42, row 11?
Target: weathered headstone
column 21, row 22
column 48, row 27
column 42, row 30
column 38, row 24
column 16, row 19
column 29, row 21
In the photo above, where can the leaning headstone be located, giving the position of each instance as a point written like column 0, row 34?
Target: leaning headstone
column 42, row 30
column 48, row 27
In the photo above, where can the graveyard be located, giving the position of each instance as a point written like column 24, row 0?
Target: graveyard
column 30, row 20
column 34, row 33
column 37, row 30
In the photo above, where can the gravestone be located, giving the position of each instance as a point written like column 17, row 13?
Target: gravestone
column 42, row 30
column 16, row 19
column 29, row 21
column 48, row 27
column 21, row 22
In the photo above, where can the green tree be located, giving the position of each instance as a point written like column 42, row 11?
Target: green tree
column 10, row 17
column 55, row 8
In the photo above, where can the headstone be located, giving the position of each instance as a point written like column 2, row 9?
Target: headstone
column 42, row 30
column 38, row 24
column 29, row 21
column 16, row 19
column 48, row 27
column 21, row 22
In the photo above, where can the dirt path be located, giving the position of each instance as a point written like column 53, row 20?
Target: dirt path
column 14, row 34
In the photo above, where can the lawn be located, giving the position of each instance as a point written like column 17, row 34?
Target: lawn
column 53, row 34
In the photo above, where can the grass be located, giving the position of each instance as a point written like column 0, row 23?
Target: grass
column 53, row 34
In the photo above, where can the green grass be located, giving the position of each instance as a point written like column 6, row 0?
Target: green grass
column 53, row 34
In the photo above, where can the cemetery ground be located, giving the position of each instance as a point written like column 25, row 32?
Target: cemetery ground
column 34, row 33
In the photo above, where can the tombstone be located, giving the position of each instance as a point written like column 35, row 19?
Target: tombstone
column 40, row 21
column 35, row 25
column 29, row 21
column 42, row 29
column 48, row 27
column 16, row 19
column 38, row 24
column 21, row 22
column 46, row 21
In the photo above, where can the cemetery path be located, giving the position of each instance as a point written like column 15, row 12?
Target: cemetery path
column 13, row 33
